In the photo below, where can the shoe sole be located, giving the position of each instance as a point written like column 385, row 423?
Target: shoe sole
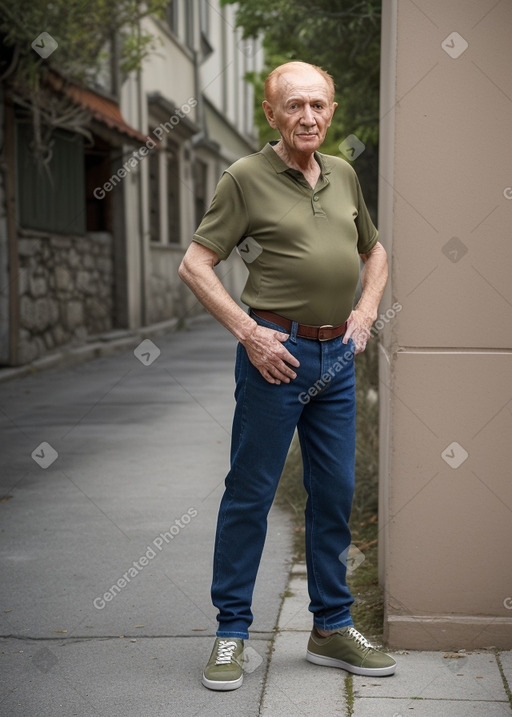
column 222, row 686
column 364, row 671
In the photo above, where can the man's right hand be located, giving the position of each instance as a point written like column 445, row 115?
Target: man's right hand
column 264, row 346
column 266, row 352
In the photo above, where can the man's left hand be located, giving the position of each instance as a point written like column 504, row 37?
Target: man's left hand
column 358, row 329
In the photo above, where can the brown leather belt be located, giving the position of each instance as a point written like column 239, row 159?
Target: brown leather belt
column 321, row 333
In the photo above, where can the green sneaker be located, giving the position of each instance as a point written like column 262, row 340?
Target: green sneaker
column 224, row 670
column 348, row 649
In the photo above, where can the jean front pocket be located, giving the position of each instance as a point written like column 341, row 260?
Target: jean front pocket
column 268, row 324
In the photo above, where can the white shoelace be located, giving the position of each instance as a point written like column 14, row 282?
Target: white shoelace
column 225, row 652
column 360, row 639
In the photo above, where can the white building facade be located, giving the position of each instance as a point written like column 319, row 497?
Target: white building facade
column 192, row 99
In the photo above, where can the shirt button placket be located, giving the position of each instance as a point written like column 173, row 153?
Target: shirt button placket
column 317, row 208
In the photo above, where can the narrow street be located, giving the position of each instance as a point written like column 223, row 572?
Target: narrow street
column 112, row 472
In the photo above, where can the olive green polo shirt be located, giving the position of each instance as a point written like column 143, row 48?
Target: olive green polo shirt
column 301, row 245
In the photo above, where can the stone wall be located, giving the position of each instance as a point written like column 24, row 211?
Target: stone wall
column 66, row 291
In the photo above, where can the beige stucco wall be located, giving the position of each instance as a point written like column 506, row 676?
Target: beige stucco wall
column 445, row 215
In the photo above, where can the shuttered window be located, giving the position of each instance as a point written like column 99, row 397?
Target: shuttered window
column 200, row 178
column 173, row 194
column 53, row 198
column 153, row 161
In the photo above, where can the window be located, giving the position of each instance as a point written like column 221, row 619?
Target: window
column 172, row 16
column 225, row 59
column 97, row 173
column 154, row 196
column 180, row 18
column 204, row 26
column 173, row 194
column 200, row 178
column 189, row 24
column 204, row 17
column 51, row 199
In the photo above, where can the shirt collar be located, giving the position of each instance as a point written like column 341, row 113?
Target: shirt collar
column 280, row 166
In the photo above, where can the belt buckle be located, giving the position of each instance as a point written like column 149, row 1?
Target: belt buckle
column 324, row 326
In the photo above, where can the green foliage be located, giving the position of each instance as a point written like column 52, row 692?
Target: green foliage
column 82, row 30
column 89, row 36
column 343, row 37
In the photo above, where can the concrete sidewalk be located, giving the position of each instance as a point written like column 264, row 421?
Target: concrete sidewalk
column 426, row 684
column 112, row 472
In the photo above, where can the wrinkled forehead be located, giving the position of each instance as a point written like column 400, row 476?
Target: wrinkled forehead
column 304, row 84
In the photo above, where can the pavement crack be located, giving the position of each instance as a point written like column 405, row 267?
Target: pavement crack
column 271, row 645
column 506, row 685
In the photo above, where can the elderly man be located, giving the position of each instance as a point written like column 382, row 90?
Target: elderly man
column 299, row 219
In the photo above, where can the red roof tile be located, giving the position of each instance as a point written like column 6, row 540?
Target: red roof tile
column 103, row 110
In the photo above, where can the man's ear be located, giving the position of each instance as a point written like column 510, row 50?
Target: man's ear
column 334, row 105
column 269, row 113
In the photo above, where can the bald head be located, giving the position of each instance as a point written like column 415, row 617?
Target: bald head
column 299, row 104
column 278, row 78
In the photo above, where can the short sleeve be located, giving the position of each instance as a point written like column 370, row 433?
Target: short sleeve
column 367, row 232
column 226, row 221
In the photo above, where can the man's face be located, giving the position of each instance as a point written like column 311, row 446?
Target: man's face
column 301, row 109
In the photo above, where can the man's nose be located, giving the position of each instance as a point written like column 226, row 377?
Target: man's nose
column 308, row 117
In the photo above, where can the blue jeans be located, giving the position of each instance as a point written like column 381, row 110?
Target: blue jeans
column 320, row 403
